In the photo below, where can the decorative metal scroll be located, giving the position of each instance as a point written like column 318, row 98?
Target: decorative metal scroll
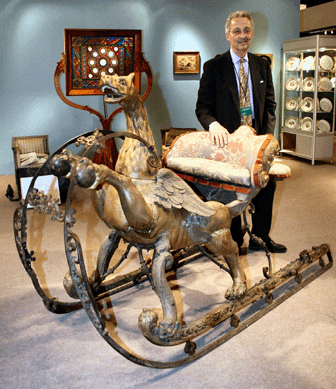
column 20, row 233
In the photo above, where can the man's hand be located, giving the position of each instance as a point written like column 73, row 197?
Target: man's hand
column 219, row 135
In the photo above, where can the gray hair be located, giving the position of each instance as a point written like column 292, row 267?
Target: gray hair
column 237, row 14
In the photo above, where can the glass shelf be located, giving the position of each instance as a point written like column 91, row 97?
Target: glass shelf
column 308, row 97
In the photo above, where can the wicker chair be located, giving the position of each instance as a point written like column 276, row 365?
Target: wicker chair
column 24, row 145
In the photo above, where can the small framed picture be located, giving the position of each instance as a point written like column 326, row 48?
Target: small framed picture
column 186, row 62
column 268, row 57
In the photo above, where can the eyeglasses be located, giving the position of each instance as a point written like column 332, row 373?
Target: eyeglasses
column 237, row 31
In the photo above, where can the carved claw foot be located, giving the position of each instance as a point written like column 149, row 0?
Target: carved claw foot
column 237, row 290
column 157, row 333
column 60, row 165
column 88, row 175
column 167, row 328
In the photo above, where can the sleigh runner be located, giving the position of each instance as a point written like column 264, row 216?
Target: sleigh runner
column 152, row 209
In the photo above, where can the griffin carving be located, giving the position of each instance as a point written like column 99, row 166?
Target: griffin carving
column 151, row 205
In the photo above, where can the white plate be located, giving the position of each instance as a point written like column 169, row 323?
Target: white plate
column 323, row 126
column 306, row 124
column 307, row 104
column 293, row 63
column 291, row 122
column 292, row 83
column 308, row 63
column 326, row 105
column 308, row 84
column 325, row 84
column 326, row 62
column 292, row 103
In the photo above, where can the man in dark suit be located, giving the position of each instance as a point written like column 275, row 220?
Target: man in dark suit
column 220, row 111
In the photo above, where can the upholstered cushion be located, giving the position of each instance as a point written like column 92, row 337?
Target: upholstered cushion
column 244, row 154
column 212, row 170
column 199, row 145
column 28, row 145
column 279, row 170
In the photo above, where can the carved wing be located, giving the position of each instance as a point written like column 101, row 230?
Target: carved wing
column 171, row 191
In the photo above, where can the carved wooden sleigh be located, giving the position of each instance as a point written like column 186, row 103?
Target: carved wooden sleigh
column 244, row 167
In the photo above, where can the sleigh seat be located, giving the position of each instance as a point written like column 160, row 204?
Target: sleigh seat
column 246, row 163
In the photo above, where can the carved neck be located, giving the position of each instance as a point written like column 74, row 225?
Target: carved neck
column 133, row 156
column 137, row 121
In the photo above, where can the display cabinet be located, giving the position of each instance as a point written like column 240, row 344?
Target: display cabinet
column 308, row 97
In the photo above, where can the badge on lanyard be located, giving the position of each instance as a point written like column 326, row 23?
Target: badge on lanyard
column 245, row 111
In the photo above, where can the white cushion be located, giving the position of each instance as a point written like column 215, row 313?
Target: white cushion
column 279, row 170
column 211, row 170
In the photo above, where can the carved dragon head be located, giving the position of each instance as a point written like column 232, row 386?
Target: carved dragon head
column 119, row 89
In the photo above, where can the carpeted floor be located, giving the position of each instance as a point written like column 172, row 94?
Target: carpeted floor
column 293, row 346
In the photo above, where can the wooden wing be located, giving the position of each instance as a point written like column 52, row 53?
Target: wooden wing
column 171, row 191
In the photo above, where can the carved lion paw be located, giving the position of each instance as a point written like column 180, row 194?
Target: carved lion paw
column 237, row 290
column 166, row 328
column 60, row 165
column 85, row 173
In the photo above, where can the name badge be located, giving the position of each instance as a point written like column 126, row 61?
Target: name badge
column 246, row 111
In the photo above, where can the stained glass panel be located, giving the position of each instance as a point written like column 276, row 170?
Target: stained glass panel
column 94, row 53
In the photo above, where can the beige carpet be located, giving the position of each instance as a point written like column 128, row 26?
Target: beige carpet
column 293, row 346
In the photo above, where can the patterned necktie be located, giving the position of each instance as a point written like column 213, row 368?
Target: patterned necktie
column 244, row 93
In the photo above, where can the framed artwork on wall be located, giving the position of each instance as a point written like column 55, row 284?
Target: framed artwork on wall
column 186, row 62
column 90, row 54
column 268, row 57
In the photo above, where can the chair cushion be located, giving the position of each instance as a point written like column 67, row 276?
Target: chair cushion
column 279, row 170
column 199, row 145
column 28, row 145
column 212, row 170
column 246, row 154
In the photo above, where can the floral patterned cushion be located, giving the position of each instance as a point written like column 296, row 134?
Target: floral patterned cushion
column 211, row 170
column 245, row 160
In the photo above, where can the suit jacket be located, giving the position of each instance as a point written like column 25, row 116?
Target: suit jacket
column 218, row 97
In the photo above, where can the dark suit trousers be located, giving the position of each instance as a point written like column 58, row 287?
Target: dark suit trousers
column 261, row 219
